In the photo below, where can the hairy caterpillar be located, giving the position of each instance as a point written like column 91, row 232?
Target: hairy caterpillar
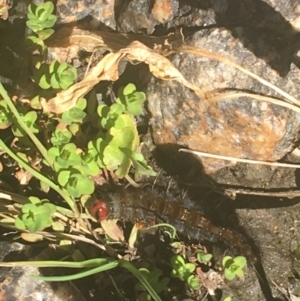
column 148, row 207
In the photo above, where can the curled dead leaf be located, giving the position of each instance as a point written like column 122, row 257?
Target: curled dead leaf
column 111, row 229
column 107, row 70
column 159, row 65
column 133, row 236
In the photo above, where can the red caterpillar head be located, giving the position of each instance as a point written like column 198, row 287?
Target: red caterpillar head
column 99, row 210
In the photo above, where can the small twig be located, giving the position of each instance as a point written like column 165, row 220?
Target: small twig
column 71, row 223
column 81, row 238
column 236, row 95
column 5, row 216
column 283, row 194
column 131, row 181
column 220, row 58
column 280, row 289
column 227, row 158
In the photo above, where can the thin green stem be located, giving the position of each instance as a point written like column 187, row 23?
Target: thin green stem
column 34, row 139
column 102, row 268
column 132, row 269
column 166, row 225
column 102, row 264
column 90, row 263
column 39, row 176
column 116, row 288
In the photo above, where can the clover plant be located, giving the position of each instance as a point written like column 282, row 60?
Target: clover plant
column 75, row 114
column 56, row 76
column 131, row 100
column 76, row 183
column 203, row 257
column 120, row 146
column 233, row 267
column 184, row 271
column 60, row 136
column 41, row 19
column 30, row 119
column 35, row 216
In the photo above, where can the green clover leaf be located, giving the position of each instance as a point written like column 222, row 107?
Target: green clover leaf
column 75, row 182
column 234, row 267
column 30, row 119
column 131, row 100
column 203, row 257
column 61, row 136
column 35, row 216
column 65, row 156
column 75, row 114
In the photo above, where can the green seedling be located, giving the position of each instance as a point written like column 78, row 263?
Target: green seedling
column 203, row 257
column 30, row 120
column 120, row 141
column 60, row 137
column 41, row 19
column 89, row 164
column 35, row 216
column 75, row 182
column 85, row 163
column 233, row 267
column 131, row 100
column 5, row 115
column 76, row 114
column 119, row 146
column 154, row 279
column 96, row 148
column 64, row 156
column 184, row 271
column 123, row 141
column 228, row 299
column 56, row 76
column 109, row 115
column 141, row 167
column 179, row 247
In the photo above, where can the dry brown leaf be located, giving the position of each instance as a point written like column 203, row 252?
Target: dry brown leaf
column 159, row 66
column 32, row 237
column 111, row 228
column 133, row 236
column 23, row 176
column 4, row 7
column 106, row 69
